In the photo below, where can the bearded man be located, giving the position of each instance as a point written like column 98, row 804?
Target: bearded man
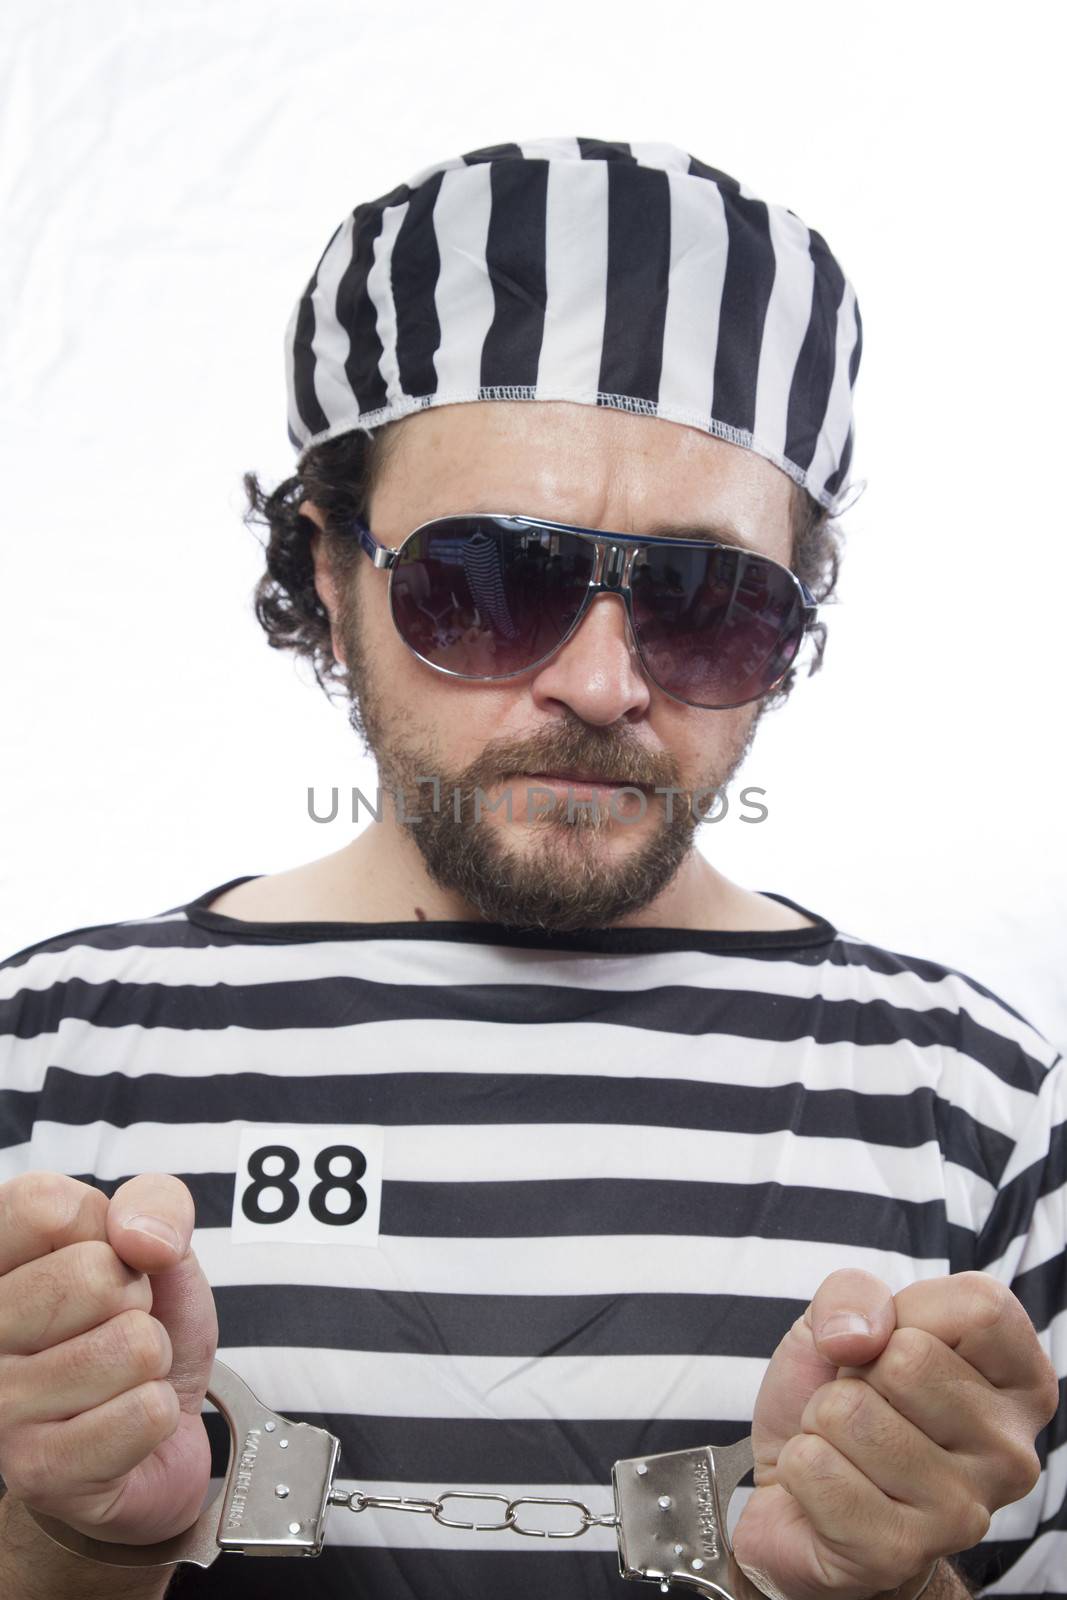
column 518, row 1140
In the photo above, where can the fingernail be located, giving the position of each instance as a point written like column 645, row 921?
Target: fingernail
column 844, row 1322
column 156, row 1228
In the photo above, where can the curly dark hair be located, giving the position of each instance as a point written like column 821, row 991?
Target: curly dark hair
column 340, row 476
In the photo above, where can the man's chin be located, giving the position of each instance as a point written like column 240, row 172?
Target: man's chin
column 557, row 879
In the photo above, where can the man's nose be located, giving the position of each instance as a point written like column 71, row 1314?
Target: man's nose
column 597, row 673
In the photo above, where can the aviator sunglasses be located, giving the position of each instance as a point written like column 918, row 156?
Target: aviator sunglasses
column 487, row 596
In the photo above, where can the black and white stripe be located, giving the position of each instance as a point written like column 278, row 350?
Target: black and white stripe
column 617, row 1167
column 627, row 275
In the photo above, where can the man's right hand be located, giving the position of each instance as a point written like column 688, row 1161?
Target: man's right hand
column 107, row 1339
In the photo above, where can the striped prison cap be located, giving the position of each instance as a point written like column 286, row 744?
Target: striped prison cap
column 625, row 275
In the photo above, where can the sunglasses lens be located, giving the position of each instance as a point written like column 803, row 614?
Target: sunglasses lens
column 716, row 627
column 488, row 596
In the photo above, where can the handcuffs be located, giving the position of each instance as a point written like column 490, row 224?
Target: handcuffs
column 669, row 1517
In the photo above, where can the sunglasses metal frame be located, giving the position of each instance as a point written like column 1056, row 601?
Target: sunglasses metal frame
column 613, row 560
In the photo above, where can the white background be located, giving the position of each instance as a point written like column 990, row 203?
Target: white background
column 170, row 173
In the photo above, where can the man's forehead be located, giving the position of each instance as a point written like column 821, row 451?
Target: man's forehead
column 602, row 470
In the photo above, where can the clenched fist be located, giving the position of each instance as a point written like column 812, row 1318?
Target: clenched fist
column 879, row 1450
column 107, row 1338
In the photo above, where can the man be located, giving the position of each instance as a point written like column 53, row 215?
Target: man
column 521, row 1140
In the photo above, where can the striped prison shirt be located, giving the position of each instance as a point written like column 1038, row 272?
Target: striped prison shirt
column 540, row 1202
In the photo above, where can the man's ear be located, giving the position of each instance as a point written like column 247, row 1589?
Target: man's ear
column 325, row 583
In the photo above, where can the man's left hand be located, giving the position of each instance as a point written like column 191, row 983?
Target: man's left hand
column 878, row 1452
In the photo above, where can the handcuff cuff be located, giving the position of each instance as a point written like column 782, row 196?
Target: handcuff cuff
column 669, row 1517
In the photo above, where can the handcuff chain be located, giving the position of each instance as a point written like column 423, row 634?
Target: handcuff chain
column 357, row 1500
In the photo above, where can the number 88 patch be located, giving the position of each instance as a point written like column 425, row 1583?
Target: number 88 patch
column 308, row 1185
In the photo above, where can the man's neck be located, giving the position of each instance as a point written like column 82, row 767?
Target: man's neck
column 378, row 877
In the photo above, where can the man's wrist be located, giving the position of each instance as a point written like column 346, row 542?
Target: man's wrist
column 921, row 1584
column 938, row 1582
column 34, row 1567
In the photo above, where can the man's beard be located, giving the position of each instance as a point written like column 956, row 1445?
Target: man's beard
column 568, row 876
